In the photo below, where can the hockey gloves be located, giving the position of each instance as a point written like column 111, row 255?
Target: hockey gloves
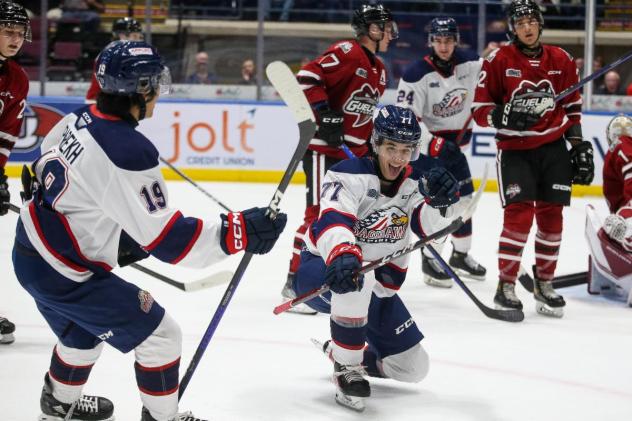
column 251, row 230
column 439, row 187
column 582, row 162
column 513, row 116
column 442, row 148
column 129, row 251
column 5, row 196
column 331, row 128
column 344, row 260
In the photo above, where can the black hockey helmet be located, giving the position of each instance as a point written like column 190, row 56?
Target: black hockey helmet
column 520, row 8
column 368, row 14
column 443, row 27
column 15, row 14
column 126, row 25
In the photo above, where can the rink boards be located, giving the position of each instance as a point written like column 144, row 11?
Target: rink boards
column 247, row 141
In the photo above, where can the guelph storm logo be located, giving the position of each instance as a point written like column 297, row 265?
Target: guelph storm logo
column 362, row 103
column 382, row 226
column 451, row 104
column 534, row 97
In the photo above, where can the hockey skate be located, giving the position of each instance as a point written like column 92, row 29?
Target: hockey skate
column 434, row 275
column 288, row 294
column 506, row 298
column 351, row 386
column 6, row 331
column 547, row 301
column 465, row 265
column 86, row 408
column 183, row 416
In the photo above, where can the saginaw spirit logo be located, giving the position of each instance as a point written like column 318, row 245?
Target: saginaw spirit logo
column 146, row 300
column 451, row 104
column 382, row 226
column 362, row 103
column 39, row 119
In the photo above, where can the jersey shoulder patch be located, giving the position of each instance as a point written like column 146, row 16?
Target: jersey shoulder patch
column 417, row 70
column 354, row 166
column 127, row 148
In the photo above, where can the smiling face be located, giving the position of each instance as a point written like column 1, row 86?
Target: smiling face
column 11, row 38
column 393, row 158
column 527, row 30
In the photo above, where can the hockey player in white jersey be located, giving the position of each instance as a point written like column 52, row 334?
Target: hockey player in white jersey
column 369, row 209
column 439, row 89
column 98, row 193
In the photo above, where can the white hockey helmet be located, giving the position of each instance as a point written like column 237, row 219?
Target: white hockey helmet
column 620, row 125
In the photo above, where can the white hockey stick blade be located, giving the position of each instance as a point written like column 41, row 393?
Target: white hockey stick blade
column 290, row 91
column 219, row 278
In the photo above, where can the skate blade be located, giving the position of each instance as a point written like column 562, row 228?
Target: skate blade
column 549, row 311
column 7, row 339
column 44, row 417
column 351, row 402
column 440, row 283
column 465, row 274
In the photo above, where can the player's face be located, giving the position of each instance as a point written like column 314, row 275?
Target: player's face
column 527, row 30
column 149, row 112
column 11, row 39
column 444, row 47
column 393, row 158
column 132, row 36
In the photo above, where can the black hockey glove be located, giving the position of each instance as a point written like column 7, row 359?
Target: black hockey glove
column 5, row 196
column 442, row 148
column 513, row 116
column 582, row 162
column 250, row 230
column 439, row 187
column 331, row 127
column 129, row 251
column 344, row 260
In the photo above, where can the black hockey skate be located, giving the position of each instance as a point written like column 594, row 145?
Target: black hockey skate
column 465, row 265
column 351, row 386
column 6, row 331
column 434, row 275
column 547, row 301
column 506, row 298
column 86, row 408
column 288, row 294
column 183, row 416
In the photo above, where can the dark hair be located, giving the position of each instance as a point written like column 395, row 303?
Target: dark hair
column 121, row 105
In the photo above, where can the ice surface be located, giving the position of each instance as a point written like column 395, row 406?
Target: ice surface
column 263, row 367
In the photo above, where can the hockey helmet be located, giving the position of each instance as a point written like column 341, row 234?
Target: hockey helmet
column 368, row 14
column 14, row 14
column 620, row 125
column 398, row 125
column 126, row 25
column 521, row 8
column 443, row 27
column 132, row 67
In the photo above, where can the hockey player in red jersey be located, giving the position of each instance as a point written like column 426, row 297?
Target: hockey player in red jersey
column 515, row 94
column 15, row 28
column 126, row 28
column 343, row 87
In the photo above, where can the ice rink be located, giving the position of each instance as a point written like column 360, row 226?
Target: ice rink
column 263, row 367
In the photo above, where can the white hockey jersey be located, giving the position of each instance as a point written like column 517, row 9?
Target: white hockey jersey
column 99, row 176
column 441, row 102
column 354, row 210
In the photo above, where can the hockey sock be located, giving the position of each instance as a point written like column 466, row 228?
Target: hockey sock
column 547, row 239
column 517, row 222
column 311, row 214
column 462, row 238
column 70, row 369
column 348, row 335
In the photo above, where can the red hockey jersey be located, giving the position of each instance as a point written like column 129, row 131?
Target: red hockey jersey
column 507, row 73
column 14, row 86
column 617, row 175
column 350, row 79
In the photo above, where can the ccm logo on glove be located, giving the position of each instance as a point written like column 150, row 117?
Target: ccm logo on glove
column 236, row 239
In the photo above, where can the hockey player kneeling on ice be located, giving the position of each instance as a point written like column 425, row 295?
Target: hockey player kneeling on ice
column 98, row 186
column 369, row 209
column 611, row 248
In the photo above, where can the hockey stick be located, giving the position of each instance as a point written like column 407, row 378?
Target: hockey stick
column 210, row 281
column 196, row 185
column 563, row 281
column 453, row 226
column 288, row 88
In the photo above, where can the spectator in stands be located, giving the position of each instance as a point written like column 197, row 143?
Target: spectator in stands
column 579, row 62
column 86, row 11
column 611, row 85
column 248, row 73
column 201, row 75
